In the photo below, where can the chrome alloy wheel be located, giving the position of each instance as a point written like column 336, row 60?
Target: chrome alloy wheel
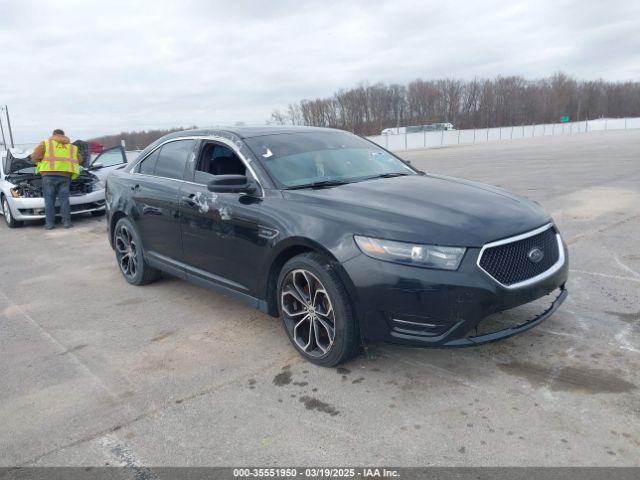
column 308, row 312
column 6, row 210
column 127, row 252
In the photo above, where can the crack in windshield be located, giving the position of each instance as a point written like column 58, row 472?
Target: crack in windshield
column 324, row 159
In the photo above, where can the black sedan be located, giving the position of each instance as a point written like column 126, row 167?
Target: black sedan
column 345, row 242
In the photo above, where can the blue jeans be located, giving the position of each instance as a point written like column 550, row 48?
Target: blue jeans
column 52, row 186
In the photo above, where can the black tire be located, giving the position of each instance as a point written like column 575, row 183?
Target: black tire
column 97, row 213
column 8, row 215
column 301, row 314
column 129, row 255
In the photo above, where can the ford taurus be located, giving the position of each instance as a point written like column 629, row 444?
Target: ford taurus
column 345, row 242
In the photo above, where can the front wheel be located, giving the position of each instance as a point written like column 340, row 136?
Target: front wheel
column 316, row 311
column 8, row 216
column 131, row 261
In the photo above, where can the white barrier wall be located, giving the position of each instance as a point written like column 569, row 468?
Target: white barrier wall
column 408, row 141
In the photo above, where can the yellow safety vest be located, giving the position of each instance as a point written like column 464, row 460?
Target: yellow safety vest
column 59, row 157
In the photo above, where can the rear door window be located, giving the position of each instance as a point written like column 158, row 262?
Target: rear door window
column 173, row 159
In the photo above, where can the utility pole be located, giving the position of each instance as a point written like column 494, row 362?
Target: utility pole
column 6, row 111
column 4, row 142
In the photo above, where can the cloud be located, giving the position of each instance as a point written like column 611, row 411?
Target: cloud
column 102, row 67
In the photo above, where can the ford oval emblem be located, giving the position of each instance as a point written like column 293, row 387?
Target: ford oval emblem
column 535, row 255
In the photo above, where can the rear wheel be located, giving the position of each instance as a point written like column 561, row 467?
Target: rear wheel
column 316, row 312
column 131, row 261
column 8, row 216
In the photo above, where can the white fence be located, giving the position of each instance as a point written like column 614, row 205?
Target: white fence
column 407, row 141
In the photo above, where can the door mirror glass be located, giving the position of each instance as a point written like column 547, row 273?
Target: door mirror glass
column 231, row 184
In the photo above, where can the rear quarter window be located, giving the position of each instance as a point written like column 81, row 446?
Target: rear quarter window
column 148, row 165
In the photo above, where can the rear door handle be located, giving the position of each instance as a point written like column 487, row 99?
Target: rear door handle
column 135, row 187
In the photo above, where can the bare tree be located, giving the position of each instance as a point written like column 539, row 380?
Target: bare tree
column 135, row 140
column 478, row 103
column 277, row 118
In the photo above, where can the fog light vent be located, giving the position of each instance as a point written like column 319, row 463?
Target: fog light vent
column 419, row 326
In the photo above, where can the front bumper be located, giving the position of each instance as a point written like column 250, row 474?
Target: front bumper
column 437, row 308
column 474, row 341
column 33, row 208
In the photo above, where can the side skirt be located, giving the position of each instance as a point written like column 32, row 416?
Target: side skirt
column 204, row 279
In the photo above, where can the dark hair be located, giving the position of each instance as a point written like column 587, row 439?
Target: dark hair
column 58, row 131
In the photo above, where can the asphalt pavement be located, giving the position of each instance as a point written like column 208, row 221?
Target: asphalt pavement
column 94, row 371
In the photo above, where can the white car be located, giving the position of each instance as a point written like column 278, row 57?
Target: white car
column 21, row 188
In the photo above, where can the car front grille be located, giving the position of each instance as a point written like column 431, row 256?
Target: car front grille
column 511, row 263
column 80, row 188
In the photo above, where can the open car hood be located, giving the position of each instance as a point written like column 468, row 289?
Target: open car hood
column 16, row 161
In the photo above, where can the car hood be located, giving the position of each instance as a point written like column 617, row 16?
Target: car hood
column 424, row 208
column 14, row 162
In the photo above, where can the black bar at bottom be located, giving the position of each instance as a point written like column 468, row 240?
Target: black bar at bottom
column 397, row 473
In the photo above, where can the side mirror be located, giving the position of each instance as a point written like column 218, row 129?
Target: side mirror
column 231, row 184
column 96, row 166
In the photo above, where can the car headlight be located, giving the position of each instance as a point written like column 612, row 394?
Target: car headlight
column 429, row 256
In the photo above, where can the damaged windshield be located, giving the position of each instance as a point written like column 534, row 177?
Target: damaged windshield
column 323, row 159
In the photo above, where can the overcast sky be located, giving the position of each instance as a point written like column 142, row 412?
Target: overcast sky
column 95, row 68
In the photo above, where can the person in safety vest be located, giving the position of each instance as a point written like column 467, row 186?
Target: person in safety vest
column 58, row 162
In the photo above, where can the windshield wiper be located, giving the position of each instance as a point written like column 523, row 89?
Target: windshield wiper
column 321, row 184
column 387, row 175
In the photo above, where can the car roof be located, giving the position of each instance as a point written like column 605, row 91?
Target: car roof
column 236, row 132
column 248, row 132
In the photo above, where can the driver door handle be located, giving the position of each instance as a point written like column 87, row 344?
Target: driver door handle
column 190, row 200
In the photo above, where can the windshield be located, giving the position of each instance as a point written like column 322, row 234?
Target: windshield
column 298, row 159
